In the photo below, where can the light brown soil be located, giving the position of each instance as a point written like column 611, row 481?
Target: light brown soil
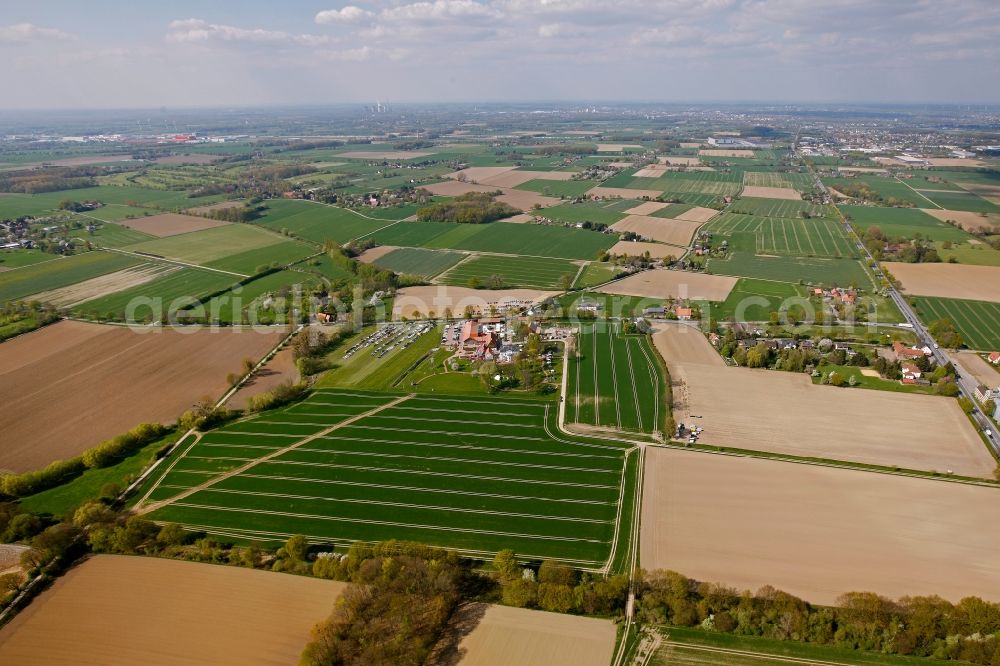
column 439, row 297
column 771, row 192
column 4, row 268
column 817, row 532
column 698, row 214
column 194, row 158
column 639, row 248
column 978, row 367
column 168, row 612
column 615, row 147
column 524, row 200
column 385, row 154
column 680, row 161
column 956, row 162
column 277, row 371
column 989, row 192
column 512, row 178
column 868, row 372
column 691, row 144
column 71, row 385
column 708, row 152
column 170, row 224
column 980, row 283
column 520, row 199
column 375, row 253
column 519, row 219
column 783, row 412
column 479, row 174
column 651, row 171
column 485, row 635
column 647, row 208
column 67, row 297
column 662, row 229
column 663, row 283
column 967, row 220
column 222, row 205
column 623, row 192
column 10, row 557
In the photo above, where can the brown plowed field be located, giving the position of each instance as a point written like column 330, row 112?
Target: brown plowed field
column 638, row 248
column 647, row 208
column 978, row 283
column 170, row 224
column 817, row 532
column 72, row 385
column 661, row 229
column 663, row 283
column 784, row 412
column 485, row 635
column 376, row 253
column 114, row 610
column 277, row 371
column 967, row 220
column 698, row 214
column 979, row 368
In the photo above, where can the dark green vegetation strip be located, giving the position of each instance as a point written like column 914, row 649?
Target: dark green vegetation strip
column 61, row 273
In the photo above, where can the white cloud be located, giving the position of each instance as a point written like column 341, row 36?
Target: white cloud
column 28, row 32
column 197, row 30
column 348, row 14
column 441, row 11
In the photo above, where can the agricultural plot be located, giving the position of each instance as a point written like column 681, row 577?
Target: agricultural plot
column 418, row 261
column 113, row 235
column 692, row 198
column 381, row 365
column 978, row 322
column 778, row 208
column 766, row 179
column 540, row 273
column 154, row 299
column 318, row 223
column 211, row 245
column 15, row 205
column 958, row 200
column 810, row 270
column 586, row 211
column 474, row 474
column 614, row 381
column 755, row 300
column 975, row 283
column 669, row 183
column 525, row 239
column 10, row 259
column 820, row 237
column 167, row 224
column 48, row 275
column 282, row 253
column 887, row 188
column 558, row 188
column 902, row 223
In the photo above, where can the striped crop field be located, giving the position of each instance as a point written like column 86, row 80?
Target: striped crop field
column 532, row 272
column 474, row 474
column 779, row 208
column 615, row 381
column 977, row 321
column 816, row 237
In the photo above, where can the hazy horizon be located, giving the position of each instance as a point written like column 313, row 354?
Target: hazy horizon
column 256, row 54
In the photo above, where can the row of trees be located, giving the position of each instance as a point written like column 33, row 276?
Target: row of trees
column 918, row 626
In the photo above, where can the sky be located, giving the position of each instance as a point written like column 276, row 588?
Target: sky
column 134, row 53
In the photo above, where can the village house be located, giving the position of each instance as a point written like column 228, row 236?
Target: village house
column 983, row 393
column 683, row 313
column 994, row 358
column 910, row 371
column 903, row 352
column 480, row 338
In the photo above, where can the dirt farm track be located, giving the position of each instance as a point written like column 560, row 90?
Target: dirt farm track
column 817, row 532
column 114, row 610
column 71, row 385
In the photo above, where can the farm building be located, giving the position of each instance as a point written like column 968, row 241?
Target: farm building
column 994, row 358
column 903, row 352
column 683, row 313
column 480, row 338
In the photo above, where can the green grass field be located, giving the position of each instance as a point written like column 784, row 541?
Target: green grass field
column 887, row 188
column 959, row 200
column 283, row 252
column 419, row 261
column 755, row 300
column 109, row 234
column 977, row 321
column 16, row 205
column 595, row 273
column 818, row 237
column 978, row 254
column 516, row 272
column 558, row 188
column 528, row 239
column 60, row 273
column 778, row 208
column 473, row 474
column 366, row 370
column 318, row 223
column 160, row 297
column 615, row 381
column 809, row 270
column 587, row 211
column 902, row 223
column 11, row 259
column 209, row 246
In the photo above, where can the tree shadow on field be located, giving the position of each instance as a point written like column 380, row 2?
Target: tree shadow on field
column 448, row 652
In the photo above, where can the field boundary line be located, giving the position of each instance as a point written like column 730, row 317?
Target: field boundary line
column 142, row 510
column 918, row 193
column 168, row 260
column 747, row 653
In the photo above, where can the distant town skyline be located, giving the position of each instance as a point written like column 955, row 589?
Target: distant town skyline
column 108, row 54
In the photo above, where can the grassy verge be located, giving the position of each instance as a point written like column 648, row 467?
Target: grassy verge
column 763, row 649
column 63, row 499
